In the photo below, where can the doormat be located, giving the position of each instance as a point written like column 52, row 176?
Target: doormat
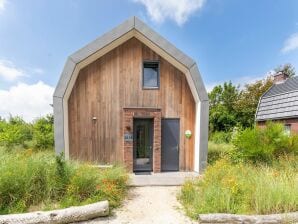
column 143, row 173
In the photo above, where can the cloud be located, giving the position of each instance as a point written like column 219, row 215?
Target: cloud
column 2, row 5
column 38, row 71
column 9, row 72
column 177, row 10
column 27, row 101
column 291, row 43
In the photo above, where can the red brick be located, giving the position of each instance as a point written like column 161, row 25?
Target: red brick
column 128, row 116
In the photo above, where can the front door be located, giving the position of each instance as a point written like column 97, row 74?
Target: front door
column 142, row 144
column 170, row 131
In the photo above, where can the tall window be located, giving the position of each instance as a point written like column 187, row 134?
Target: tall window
column 151, row 75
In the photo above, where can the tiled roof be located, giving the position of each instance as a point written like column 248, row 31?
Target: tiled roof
column 288, row 86
column 280, row 101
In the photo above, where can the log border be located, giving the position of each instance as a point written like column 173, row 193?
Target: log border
column 67, row 215
column 291, row 217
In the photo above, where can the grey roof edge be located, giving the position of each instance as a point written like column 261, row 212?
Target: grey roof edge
column 64, row 78
column 103, row 40
column 277, row 118
column 117, row 32
column 163, row 43
column 198, row 82
column 258, row 107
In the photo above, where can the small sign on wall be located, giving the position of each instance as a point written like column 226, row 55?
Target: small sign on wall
column 128, row 137
column 188, row 134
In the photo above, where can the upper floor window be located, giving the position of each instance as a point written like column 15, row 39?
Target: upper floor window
column 151, row 75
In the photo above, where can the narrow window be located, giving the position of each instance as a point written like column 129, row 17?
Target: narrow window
column 151, row 75
column 287, row 129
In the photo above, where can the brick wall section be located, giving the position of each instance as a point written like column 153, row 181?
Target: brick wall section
column 128, row 115
column 292, row 121
column 128, row 145
column 156, row 142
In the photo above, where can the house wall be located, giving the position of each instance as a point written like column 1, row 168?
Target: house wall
column 114, row 82
column 292, row 121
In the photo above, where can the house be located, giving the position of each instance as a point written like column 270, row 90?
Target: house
column 131, row 97
column 280, row 103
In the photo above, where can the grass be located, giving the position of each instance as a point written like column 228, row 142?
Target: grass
column 256, row 173
column 243, row 189
column 39, row 180
column 217, row 151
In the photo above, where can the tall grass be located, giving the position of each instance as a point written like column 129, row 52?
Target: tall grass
column 218, row 151
column 243, row 189
column 29, row 179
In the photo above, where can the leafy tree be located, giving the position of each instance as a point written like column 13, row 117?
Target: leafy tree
column 43, row 132
column 247, row 102
column 222, row 101
column 287, row 69
column 15, row 131
column 231, row 106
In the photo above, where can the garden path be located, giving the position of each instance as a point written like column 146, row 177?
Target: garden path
column 150, row 204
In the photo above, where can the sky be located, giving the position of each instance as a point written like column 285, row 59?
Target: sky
column 241, row 41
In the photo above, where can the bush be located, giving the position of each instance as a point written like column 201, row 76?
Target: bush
column 43, row 132
column 15, row 131
column 30, row 179
column 264, row 144
column 218, row 151
column 243, row 189
column 221, row 137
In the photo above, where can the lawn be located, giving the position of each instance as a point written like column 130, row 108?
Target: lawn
column 38, row 180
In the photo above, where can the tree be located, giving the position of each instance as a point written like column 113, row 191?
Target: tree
column 247, row 103
column 15, row 131
column 222, row 101
column 286, row 69
column 43, row 132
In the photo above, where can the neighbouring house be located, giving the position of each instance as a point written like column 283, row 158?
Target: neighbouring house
column 280, row 103
column 131, row 97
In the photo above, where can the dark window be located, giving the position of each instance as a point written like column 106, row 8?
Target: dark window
column 150, row 75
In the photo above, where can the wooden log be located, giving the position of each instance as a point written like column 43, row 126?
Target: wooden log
column 249, row 219
column 68, row 215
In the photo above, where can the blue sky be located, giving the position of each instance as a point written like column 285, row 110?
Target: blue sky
column 230, row 39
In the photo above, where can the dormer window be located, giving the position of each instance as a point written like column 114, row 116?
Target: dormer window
column 150, row 75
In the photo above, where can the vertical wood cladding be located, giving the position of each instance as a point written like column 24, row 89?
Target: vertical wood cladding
column 114, row 82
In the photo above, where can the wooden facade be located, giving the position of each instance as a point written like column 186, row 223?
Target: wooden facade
column 114, row 82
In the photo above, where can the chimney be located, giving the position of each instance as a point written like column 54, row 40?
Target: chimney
column 280, row 77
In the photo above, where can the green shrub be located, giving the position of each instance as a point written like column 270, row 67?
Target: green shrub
column 17, row 134
column 43, row 133
column 37, row 179
column 263, row 144
column 221, row 137
column 243, row 189
column 15, row 131
column 218, row 151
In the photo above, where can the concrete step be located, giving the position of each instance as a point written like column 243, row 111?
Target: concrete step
column 161, row 179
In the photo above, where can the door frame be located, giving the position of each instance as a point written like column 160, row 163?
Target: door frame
column 161, row 154
column 151, row 136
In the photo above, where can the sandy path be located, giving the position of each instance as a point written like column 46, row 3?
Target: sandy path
column 148, row 205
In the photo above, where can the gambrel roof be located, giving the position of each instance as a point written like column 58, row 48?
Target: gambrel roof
column 279, row 102
column 132, row 27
